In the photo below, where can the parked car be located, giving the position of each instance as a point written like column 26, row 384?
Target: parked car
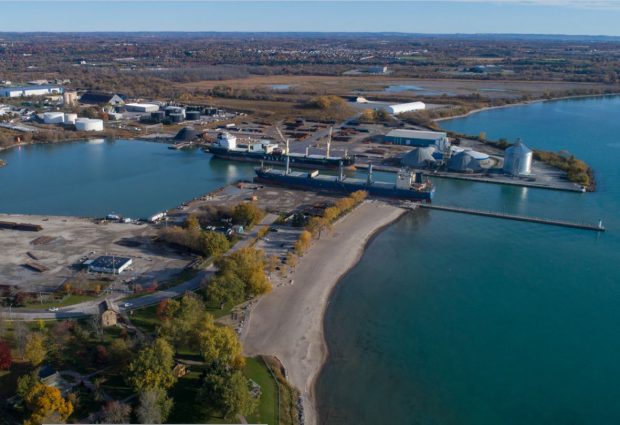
column 52, row 309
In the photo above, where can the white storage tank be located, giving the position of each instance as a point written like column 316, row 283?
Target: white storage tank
column 54, row 117
column 518, row 160
column 88, row 124
column 70, row 118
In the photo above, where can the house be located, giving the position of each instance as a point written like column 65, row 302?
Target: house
column 100, row 98
column 179, row 370
column 108, row 313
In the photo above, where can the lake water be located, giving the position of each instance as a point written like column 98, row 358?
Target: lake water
column 456, row 319
column 133, row 178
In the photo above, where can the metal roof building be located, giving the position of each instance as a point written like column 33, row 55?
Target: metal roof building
column 109, row 264
column 417, row 138
column 25, row 91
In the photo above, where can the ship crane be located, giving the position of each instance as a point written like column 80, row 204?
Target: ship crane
column 284, row 139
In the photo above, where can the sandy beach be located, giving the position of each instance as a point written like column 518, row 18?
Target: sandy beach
column 288, row 322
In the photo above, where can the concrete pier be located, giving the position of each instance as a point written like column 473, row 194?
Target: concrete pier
column 563, row 223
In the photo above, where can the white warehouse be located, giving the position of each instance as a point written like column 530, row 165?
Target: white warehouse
column 141, row 107
column 25, row 91
column 88, row 124
column 399, row 108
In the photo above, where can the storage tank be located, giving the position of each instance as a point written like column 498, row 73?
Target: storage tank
column 518, row 160
column 192, row 115
column 175, row 117
column 174, row 110
column 70, row 118
column 54, row 117
column 419, row 158
column 88, row 124
column 158, row 116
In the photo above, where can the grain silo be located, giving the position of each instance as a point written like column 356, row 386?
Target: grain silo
column 518, row 160
column 419, row 158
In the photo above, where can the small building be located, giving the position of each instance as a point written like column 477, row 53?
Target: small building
column 49, row 376
column 109, row 264
column 26, row 91
column 179, row 370
column 69, row 98
column 108, row 313
column 418, row 138
column 141, row 107
column 100, row 98
column 376, row 70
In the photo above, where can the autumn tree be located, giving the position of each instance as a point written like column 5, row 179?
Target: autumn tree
column 213, row 244
column 182, row 319
column 247, row 214
column 35, row 348
column 219, row 344
column 303, row 243
column 152, row 367
column 5, row 356
column 43, row 401
column 248, row 265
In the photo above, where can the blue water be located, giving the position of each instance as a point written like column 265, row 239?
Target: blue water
column 456, row 319
column 133, row 178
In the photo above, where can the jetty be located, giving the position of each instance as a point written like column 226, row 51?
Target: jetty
column 550, row 221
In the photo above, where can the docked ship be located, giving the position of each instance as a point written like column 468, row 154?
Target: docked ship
column 409, row 185
column 225, row 146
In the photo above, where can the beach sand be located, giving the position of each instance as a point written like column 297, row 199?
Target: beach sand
column 288, row 322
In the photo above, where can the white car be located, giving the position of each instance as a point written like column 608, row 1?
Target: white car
column 127, row 305
column 52, row 309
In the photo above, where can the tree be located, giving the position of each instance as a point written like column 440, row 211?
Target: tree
column 45, row 402
column 152, row 367
column 213, row 244
column 303, row 243
column 220, row 345
column 248, row 264
column 247, row 214
column 155, row 407
column 26, row 383
column 115, row 412
column 192, row 224
column 182, row 319
column 119, row 352
column 96, row 326
column 35, row 348
column 227, row 391
column 5, row 356
column 225, row 288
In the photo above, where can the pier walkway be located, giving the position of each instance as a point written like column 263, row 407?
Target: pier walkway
column 563, row 223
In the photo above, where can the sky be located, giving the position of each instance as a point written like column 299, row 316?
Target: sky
column 578, row 17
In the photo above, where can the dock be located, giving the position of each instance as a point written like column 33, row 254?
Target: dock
column 553, row 222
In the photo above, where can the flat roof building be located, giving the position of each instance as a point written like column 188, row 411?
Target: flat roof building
column 417, row 138
column 141, row 107
column 26, row 91
column 109, row 264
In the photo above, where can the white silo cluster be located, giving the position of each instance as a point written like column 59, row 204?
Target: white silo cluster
column 88, row 124
column 518, row 160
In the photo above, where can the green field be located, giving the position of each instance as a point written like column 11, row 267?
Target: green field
column 66, row 301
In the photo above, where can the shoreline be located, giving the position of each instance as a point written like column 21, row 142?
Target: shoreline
column 289, row 322
column 522, row 103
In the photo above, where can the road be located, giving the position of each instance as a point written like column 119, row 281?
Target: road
column 91, row 307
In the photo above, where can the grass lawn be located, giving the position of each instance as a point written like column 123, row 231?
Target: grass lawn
column 186, row 409
column 214, row 309
column 267, row 411
column 116, row 387
column 145, row 319
column 66, row 301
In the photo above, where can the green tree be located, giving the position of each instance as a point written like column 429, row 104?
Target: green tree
column 226, row 288
column 227, row 391
column 152, row 367
column 213, row 244
column 181, row 319
column 248, row 265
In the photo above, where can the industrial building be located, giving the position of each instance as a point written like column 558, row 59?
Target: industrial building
column 54, row 117
column 99, row 98
column 88, row 124
column 418, row 138
column 141, row 107
column 468, row 161
column 399, row 108
column 108, row 264
column 25, row 91
column 518, row 160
